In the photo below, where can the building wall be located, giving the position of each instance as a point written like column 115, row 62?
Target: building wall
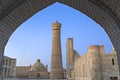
column 96, row 65
column 12, row 72
column 22, row 71
column 38, row 74
column 82, row 68
column 9, row 67
column 110, row 65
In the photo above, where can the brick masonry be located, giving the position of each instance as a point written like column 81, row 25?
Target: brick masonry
column 15, row 12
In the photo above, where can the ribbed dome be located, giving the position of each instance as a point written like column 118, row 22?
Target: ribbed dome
column 38, row 66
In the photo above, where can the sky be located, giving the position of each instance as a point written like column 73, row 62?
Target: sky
column 32, row 40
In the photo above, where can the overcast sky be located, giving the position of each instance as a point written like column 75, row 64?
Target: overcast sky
column 33, row 39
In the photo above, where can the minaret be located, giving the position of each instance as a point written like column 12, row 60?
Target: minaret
column 56, row 59
column 69, row 58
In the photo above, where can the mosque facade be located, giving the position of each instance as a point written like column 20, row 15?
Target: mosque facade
column 94, row 65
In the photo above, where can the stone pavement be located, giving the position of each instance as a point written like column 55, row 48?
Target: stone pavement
column 29, row 79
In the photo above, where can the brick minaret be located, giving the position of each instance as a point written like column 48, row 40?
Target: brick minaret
column 56, row 59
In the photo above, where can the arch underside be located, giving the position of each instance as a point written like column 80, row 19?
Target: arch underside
column 14, row 12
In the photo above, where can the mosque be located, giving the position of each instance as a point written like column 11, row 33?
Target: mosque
column 95, row 64
column 38, row 70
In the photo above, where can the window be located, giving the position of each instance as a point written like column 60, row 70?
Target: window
column 9, row 62
column 113, row 61
column 6, row 62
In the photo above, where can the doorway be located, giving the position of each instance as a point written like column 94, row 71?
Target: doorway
column 113, row 78
column 38, row 75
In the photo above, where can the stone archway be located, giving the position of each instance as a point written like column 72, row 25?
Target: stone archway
column 14, row 12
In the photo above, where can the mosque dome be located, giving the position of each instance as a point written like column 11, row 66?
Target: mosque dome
column 76, row 53
column 38, row 66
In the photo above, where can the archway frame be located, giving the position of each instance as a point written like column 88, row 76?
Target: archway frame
column 104, row 12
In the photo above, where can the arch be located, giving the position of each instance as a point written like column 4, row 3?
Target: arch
column 104, row 12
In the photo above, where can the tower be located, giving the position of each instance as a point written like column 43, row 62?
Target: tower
column 70, row 51
column 96, row 63
column 70, row 58
column 56, row 58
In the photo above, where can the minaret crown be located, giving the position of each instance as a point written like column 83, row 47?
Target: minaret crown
column 56, row 25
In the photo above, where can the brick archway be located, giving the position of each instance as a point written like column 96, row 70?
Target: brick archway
column 14, row 12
